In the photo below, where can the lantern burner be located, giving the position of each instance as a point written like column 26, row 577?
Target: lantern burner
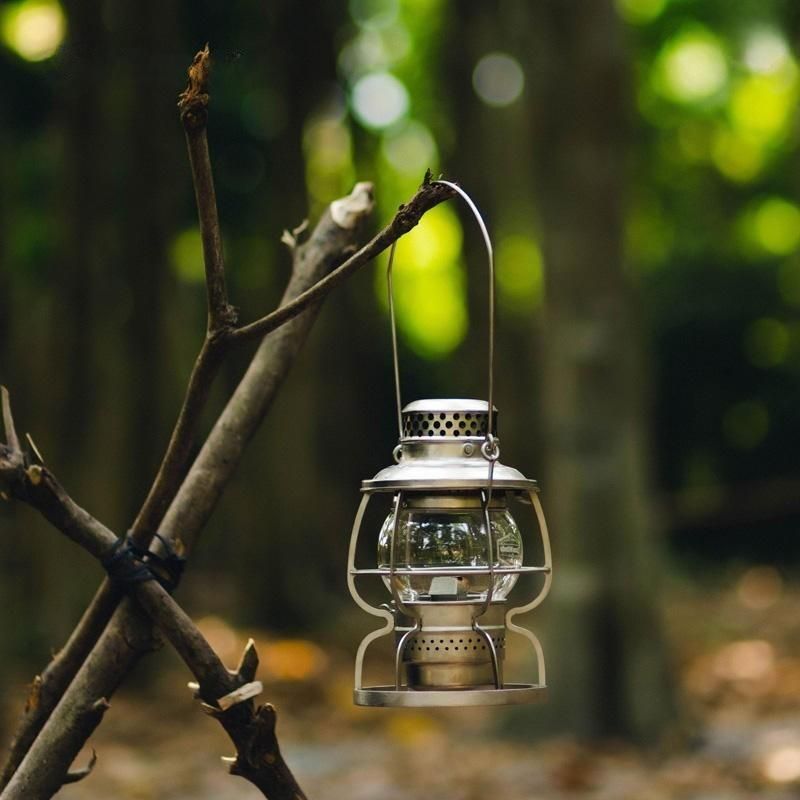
column 444, row 649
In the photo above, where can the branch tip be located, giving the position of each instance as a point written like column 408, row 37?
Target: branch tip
column 12, row 440
column 248, row 663
column 35, row 449
column 193, row 100
column 74, row 776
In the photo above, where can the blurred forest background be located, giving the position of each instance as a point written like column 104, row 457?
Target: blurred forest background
column 637, row 164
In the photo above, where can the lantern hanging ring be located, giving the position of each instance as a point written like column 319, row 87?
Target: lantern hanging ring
column 491, row 449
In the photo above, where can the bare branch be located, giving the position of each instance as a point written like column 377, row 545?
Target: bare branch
column 312, row 261
column 193, row 106
column 241, row 720
column 429, row 195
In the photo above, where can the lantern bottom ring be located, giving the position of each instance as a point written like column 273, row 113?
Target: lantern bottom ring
column 389, row 697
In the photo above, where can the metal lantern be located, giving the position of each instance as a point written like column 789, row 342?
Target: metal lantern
column 449, row 551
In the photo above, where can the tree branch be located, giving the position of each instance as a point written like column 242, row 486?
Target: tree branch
column 429, row 194
column 258, row 756
column 127, row 636
column 312, row 261
column 55, row 678
column 193, row 107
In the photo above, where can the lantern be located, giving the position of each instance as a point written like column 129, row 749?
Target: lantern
column 449, row 551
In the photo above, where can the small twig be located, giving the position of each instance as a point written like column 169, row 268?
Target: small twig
column 12, row 440
column 193, row 106
column 76, row 775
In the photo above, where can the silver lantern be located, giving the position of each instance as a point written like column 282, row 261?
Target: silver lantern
column 449, row 552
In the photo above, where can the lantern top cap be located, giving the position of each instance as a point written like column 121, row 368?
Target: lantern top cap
column 449, row 404
column 447, row 419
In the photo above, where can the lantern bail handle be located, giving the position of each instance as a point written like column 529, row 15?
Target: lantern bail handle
column 491, row 442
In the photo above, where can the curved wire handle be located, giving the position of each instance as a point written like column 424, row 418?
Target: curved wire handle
column 490, row 254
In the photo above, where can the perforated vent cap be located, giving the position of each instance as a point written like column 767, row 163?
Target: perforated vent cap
column 447, row 419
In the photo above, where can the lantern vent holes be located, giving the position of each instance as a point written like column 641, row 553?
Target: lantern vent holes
column 452, row 424
column 423, row 644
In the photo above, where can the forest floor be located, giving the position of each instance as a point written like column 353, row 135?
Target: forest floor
column 736, row 655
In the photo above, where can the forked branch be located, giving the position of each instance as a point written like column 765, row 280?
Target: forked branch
column 166, row 508
column 251, row 729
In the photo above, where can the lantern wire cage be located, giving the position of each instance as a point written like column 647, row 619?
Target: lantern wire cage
column 465, row 453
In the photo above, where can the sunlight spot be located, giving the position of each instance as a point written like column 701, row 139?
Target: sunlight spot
column 410, row 148
column 766, row 51
column 783, row 764
column 766, row 342
column 498, row 79
column 33, row 29
column 759, row 588
column 640, row 12
column 520, row 275
column 752, row 660
column 737, row 157
column 379, row 100
column 762, row 105
column 746, row 424
column 691, row 66
column 429, row 284
column 186, row 254
column 776, row 226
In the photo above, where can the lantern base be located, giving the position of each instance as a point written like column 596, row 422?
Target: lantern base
column 389, row 697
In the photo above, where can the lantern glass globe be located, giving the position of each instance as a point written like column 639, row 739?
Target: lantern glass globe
column 450, row 537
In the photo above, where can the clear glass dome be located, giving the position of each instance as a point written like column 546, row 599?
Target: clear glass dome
column 450, row 537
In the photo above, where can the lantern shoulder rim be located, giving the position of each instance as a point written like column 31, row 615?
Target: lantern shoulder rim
column 449, row 404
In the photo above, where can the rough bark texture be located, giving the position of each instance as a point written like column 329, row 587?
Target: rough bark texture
column 610, row 676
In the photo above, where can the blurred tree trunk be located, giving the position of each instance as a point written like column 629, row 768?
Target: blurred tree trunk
column 609, row 671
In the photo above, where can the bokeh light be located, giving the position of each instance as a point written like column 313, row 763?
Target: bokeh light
column 379, row 100
column 33, row 29
column 772, row 224
column 429, row 285
column 782, row 765
column 640, row 12
column 520, row 274
column 749, row 660
column 409, row 148
column 762, row 105
column 738, row 157
column 498, row 79
column 186, row 255
column 766, row 51
column 691, row 67
column 759, row 588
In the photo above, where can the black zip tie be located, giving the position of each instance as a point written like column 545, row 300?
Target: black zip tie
column 127, row 563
